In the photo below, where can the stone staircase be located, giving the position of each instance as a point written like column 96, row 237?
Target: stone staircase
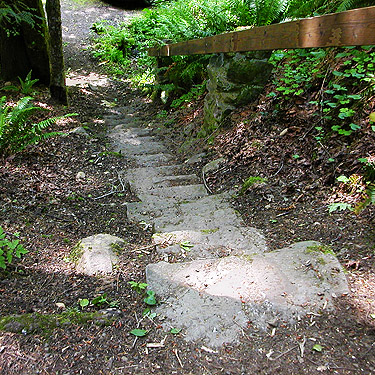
column 225, row 277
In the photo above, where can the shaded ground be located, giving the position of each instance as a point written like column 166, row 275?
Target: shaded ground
column 42, row 198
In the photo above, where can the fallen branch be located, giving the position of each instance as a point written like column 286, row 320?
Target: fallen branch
column 205, row 184
column 123, row 190
column 283, row 353
column 145, row 248
column 178, row 358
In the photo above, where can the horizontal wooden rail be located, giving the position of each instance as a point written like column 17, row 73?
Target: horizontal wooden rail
column 351, row 28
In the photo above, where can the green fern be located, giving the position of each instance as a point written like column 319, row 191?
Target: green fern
column 298, row 8
column 17, row 131
column 13, row 15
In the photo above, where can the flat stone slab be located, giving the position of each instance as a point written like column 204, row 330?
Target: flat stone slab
column 147, row 178
column 282, row 285
column 180, row 192
column 154, row 160
column 211, row 243
column 97, row 254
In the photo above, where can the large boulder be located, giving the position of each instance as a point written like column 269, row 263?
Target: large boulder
column 97, row 254
column 233, row 81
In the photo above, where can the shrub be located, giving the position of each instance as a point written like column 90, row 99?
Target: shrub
column 9, row 249
column 17, row 131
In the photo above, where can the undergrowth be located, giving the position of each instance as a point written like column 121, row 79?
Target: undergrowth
column 17, row 130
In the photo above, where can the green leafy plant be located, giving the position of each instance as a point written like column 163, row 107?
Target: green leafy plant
column 343, row 88
column 139, row 332
column 138, row 287
column 175, row 331
column 357, row 191
column 17, row 131
column 186, row 245
column 150, row 298
column 84, row 302
column 252, row 180
column 317, row 348
column 99, row 301
column 13, row 15
column 9, row 249
column 27, row 84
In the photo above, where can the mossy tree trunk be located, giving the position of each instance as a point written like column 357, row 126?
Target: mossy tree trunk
column 28, row 50
column 57, row 85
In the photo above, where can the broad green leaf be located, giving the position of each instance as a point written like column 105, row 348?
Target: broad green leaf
column 317, row 348
column 84, row 302
column 139, row 332
column 343, row 179
column 150, row 299
column 175, row 331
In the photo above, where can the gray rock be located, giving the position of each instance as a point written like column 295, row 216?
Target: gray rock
column 198, row 158
column 80, row 131
column 97, row 254
column 233, row 81
column 279, row 285
column 213, row 165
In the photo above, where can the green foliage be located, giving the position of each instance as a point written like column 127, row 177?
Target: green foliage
column 195, row 92
column 139, row 332
column 98, row 301
column 356, row 192
column 345, row 79
column 138, row 287
column 186, row 245
column 13, row 15
column 9, row 249
column 124, row 48
column 298, row 8
column 27, row 84
column 150, row 298
column 17, row 130
column 250, row 182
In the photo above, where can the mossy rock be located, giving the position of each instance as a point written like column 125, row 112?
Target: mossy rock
column 43, row 324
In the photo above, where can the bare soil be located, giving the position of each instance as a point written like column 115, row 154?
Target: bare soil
column 42, row 198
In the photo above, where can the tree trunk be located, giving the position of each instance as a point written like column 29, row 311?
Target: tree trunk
column 57, row 86
column 29, row 49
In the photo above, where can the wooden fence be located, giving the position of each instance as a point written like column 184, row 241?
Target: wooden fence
column 351, row 28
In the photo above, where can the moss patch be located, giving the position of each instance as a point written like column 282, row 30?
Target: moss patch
column 76, row 253
column 320, row 248
column 45, row 323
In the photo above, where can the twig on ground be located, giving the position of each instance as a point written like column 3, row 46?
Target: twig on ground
column 123, row 190
column 242, row 330
column 178, row 358
column 302, row 346
column 283, row 353
column 205, row 183
column 279, row 170
column 145, row 248
column 121, row 182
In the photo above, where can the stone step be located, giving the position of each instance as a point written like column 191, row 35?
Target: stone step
column 171, row 214
column 132, row 133
column 132, row 147
column 211, row 243
column 213, row 298
column 148, row 178
column 179, row 193
column 154, row 160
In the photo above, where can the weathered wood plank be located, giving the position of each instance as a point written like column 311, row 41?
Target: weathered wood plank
column 351, row 28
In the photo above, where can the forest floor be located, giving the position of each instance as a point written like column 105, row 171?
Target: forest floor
column 45, row 198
